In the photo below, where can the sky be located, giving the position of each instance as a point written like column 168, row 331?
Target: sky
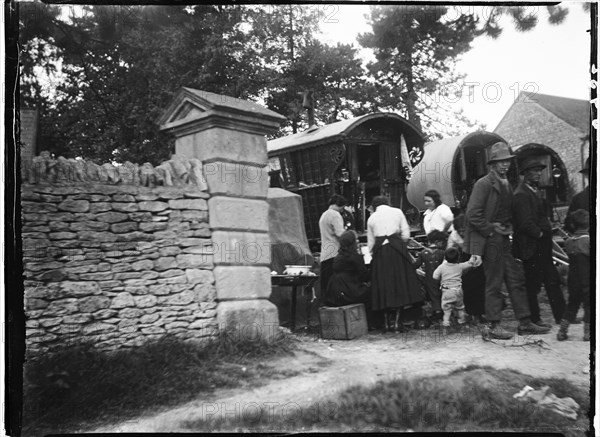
column 550, row 59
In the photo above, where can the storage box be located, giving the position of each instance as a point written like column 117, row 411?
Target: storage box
column 343, row 323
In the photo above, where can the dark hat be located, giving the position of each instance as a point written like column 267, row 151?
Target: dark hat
column 499, row 152
column 586, row 167
column 531, row 162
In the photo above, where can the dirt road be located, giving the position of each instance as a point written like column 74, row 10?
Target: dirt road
column 327, row 366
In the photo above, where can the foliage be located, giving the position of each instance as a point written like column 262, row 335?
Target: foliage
column 336, row 77
column 102, row 75
column 80, row 384
column 524, row 18
column 416, row 49
column 122, row 64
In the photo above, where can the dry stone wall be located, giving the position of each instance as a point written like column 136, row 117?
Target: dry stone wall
column 116, row 265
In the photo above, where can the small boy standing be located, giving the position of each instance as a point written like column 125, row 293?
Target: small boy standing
column 578, row 281
column 449, row 273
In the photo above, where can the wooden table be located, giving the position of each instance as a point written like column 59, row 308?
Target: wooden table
column 294, row 281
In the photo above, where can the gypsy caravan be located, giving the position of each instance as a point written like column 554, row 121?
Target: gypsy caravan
column 359, row 158
column 451, row 166
column 554, row 182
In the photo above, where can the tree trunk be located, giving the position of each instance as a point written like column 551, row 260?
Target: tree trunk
column 411, row 97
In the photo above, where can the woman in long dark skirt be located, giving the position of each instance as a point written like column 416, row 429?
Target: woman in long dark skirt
column 394, row 281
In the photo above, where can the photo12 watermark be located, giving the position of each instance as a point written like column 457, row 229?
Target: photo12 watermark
column 473, row 92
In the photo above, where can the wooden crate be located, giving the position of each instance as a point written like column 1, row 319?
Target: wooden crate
column 343, row 323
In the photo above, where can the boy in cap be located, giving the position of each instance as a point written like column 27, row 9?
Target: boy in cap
column 488, row 227
column 532, row 242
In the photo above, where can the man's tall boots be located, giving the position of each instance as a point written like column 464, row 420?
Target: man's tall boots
column 562, row 331
column 586, row 331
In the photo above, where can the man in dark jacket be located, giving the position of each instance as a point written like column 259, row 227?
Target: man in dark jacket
column 532, row 242
column 489, row 224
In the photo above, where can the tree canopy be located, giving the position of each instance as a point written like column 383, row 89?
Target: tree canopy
column 416, row 49
column 102, row 75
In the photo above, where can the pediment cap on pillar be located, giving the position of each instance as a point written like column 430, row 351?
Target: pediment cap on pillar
column 194, row 110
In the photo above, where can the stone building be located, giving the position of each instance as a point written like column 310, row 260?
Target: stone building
column 560, row 123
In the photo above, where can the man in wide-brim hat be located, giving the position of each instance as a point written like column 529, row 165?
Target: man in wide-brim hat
column 488, row 227
column 532, row 242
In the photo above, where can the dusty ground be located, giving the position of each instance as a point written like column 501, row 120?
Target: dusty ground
column 328, row 366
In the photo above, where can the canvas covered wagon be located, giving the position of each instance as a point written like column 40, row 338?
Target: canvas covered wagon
column 451, row 166
column 555, row 179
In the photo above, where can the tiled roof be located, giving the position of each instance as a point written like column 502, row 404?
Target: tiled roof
column 573, row 111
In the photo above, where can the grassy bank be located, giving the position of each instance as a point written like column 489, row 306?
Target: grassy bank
column 80, row 386
column 472, row 399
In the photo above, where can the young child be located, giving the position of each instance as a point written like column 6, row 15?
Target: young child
column 428, row 260
column 578, row 282
column 449, row 273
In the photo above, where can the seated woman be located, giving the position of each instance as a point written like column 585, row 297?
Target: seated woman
column 348, row 284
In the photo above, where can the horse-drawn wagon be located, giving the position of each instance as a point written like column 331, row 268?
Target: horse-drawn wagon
column 358, row 158
column 451, row 166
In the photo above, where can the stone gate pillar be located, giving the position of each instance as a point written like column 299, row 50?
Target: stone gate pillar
column 228, row 136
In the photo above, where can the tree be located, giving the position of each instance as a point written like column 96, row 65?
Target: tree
column 335, row 76
column 122, row 64
column 285, row 32
column 524, row 18
column 93, row 112
column 416, row 49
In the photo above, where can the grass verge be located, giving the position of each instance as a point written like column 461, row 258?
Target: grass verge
column 82, row 387
column 470, row 399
